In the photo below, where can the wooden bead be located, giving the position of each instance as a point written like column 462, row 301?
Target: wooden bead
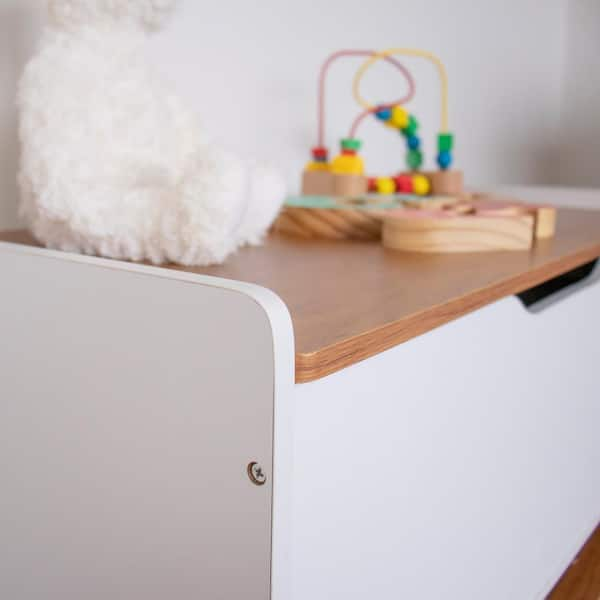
column 445, row 142
column 421, row 185
column 385, row 185
column 317, row 165
column 411, row 127
column 320, row 153
column 384, row 114
column 400, row 118
column 347, row 164
column 351, row 144
column 414, row 159
column 413, row 142
column 404, row 184
column 444, row 159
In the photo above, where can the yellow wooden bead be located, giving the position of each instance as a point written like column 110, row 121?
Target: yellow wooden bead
column 421, row 185
column 385, row 185
column 314, row 165
column 348, row 164
column 399, row 117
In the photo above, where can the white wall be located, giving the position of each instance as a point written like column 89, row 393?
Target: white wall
column 19, row 29
column 580, row 115
column 250, row 69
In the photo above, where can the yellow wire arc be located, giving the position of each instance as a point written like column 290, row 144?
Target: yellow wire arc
column 406, row 52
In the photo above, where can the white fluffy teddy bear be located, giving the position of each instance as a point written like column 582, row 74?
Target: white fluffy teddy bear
column 113, row 163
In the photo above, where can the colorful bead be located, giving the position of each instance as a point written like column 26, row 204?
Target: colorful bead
column 372, row 184
column 411, row 127
column 384, row 114
column 320, row 154
column 444, row 159
column 347, row 164
column 414, row 159
column 421, row 185
column 317, row 165
column 445, row 142
column 413, row 142
column 400, row 118
column 404, row 184
column 385, row 185
column 351, row 144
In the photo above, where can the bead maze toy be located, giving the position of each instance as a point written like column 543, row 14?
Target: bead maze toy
column 423, row 211
column 345, row 175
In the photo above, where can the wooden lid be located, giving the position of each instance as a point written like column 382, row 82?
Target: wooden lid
column 351, row 300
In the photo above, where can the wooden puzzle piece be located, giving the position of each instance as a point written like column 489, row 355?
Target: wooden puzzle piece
column 442, row 231
column 545, row 216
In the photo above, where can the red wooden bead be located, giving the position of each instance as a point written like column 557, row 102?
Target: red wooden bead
column 320, row 152
column 372, row 184
column 404, row 184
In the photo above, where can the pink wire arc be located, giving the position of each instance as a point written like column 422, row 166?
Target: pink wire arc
column 323, row 76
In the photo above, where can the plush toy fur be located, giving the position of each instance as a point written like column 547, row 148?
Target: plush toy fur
column 113, row 163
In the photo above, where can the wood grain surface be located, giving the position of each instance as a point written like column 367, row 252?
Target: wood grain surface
column 469, row 233
column 582, row 580
column 329, row 224
column 351, row 300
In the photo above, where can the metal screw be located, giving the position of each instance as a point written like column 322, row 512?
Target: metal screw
column 256, row 474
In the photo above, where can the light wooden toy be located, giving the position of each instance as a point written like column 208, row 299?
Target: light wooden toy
column 474, row 230
column 476, row 223
column 335, row 217
column 413, row 210
column 483, row 224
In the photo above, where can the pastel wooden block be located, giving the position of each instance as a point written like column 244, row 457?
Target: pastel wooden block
column 446, row 183
column 350, row 185
column 435, row 231
column 545, row 216
column 545, row 222
column 317, row 183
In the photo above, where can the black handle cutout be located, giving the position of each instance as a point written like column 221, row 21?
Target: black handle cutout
column 546, row 289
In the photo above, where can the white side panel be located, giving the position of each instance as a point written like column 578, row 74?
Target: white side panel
column 464, row 464
column 131, row 401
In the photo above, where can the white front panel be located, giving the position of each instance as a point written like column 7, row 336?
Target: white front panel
column 464, row 464
column 131, row 402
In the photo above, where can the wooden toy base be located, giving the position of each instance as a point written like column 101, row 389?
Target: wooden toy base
column 325, row 183
column 317, row 183
column 442, row 224
column 329, row 224
column 446, row 183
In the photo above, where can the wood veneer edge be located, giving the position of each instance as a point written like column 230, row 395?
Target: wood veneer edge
column 325, row 361
column 330, row 359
